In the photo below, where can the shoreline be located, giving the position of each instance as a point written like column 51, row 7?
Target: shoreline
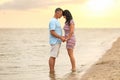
column 91, row 49
column 107, row 67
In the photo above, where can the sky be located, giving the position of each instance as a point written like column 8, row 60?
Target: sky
column 37, row 13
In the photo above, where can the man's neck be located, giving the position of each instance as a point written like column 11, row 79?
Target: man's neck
column 55, row 17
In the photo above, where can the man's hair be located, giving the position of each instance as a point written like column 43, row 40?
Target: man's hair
column 58, row 9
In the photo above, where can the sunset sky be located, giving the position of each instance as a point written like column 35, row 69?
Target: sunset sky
column 37, row 13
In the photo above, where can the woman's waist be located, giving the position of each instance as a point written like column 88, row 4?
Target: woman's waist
column 66, row 34
column 71, row 40
column 72, row 37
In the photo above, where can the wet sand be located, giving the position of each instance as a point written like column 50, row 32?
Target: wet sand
column 108, row 67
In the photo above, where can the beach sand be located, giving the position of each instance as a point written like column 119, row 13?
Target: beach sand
column 108, row 67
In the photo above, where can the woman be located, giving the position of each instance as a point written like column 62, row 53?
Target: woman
column 70, row 37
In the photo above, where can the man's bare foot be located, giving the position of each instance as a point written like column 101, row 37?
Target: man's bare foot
column 73, row 70
column 52, row 74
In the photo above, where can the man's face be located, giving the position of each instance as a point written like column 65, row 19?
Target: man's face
column 59, row 14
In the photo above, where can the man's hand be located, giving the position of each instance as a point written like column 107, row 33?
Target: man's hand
column 62, row 38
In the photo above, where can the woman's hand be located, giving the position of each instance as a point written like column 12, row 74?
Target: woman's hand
column 64, row 39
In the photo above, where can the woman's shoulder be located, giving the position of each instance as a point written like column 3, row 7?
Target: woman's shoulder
column 72, row 21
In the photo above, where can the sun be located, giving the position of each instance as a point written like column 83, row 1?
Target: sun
column 99, row 6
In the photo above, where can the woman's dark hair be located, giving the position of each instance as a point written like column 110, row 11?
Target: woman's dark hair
column 68, row 16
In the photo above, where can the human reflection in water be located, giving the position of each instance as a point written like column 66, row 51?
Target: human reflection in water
column 52, row 76
column 71, row 76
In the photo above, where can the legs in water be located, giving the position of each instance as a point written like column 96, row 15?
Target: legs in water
column 52, row 64
column 72, row 59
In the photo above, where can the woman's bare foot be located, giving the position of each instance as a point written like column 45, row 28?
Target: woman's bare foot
column 73, row 70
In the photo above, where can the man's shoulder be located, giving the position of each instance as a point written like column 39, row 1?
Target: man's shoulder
column 53, row 20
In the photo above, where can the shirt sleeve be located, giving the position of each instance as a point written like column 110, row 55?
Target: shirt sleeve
column 52, row 25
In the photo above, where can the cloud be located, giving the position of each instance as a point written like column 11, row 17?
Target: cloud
column 29, row 4
column 24, row 4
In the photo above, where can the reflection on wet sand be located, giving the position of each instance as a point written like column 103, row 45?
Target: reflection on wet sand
column 71, row 76
column 68, row 76
column 52, row 76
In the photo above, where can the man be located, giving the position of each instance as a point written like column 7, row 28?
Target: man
column 55, row 37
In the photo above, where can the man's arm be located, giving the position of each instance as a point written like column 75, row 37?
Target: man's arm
column 56, row 35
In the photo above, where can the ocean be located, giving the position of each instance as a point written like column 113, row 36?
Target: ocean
column 24, row 53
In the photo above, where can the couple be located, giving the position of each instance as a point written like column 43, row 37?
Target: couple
column 56, row 37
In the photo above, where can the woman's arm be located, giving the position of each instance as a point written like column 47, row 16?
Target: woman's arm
column 71, row 31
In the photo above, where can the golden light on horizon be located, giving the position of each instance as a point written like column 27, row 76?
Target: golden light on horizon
column 87, row 14
column 4, row 1
column 99, row 7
